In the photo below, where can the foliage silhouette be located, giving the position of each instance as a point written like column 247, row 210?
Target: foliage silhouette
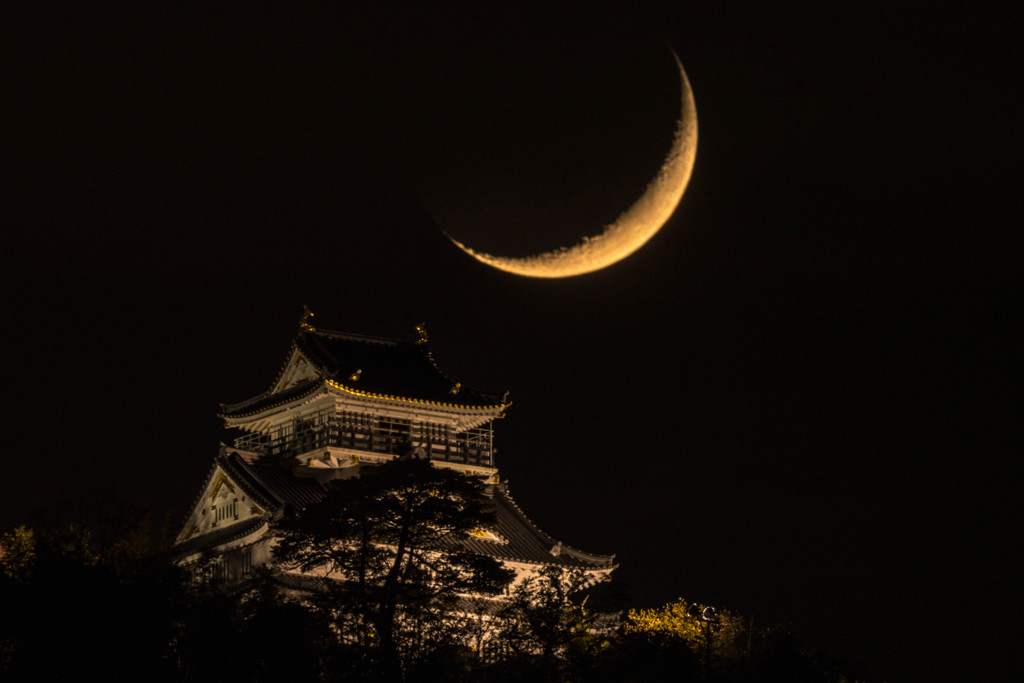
column 108, row 597
column 387, row 548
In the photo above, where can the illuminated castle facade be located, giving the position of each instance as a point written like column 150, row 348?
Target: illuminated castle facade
column 342, row 402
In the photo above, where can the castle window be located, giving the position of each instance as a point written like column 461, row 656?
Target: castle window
column 225, row 511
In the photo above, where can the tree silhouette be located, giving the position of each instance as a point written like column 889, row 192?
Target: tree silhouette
column 386, row 553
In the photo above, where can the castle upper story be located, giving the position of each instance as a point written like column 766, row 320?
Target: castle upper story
column 340, row 400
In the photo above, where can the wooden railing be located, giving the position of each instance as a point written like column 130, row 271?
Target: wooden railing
column 472, row 446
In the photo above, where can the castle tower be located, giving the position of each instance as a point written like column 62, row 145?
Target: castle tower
column 339, row 403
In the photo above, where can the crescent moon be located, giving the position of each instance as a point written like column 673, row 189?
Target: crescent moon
column 634, row 227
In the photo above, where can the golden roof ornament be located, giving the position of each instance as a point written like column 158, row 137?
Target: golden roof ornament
column 422, row 330
column 304, row 323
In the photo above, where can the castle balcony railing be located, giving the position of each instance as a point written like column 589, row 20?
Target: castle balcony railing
column 473, row 446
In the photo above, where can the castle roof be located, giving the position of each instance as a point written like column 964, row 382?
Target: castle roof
column 523, row 541
column 366, row 366
column 516, row 538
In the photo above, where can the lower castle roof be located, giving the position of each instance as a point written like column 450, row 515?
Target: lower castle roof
column 518, row 539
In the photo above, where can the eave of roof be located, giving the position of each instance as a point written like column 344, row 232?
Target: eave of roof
column 388, row 369
column 394, row 364
column 302, row 390
column 219, row 537
column 525, row 542
column 264, row 402
column 497, row 407
column 521, row 539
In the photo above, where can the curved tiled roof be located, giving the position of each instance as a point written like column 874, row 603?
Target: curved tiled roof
column 520, row 539
column 523, row 541
column 387, row 367
column 383, row 368
column 266, row 400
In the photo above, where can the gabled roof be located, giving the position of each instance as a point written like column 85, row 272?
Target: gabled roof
column 266, row 485
column 519, row 539
column 369, row 366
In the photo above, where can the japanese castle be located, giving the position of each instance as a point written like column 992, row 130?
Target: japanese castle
column 339, row 403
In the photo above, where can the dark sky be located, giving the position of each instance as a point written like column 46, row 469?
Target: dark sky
column 794, row 401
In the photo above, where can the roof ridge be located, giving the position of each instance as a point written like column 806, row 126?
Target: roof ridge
column 284, row 366
column 317, row 347
column 508, row 496
column 198, row 496
column 351, row 336
column 576, row 552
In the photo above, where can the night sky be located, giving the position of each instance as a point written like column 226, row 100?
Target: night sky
column 792, row 402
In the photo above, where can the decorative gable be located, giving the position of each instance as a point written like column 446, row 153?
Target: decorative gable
column 222, row 504
column 298, row 369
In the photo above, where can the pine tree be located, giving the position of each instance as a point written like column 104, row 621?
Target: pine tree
column 386, row 548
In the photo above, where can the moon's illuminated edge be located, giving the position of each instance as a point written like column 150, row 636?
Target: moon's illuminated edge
column 633, row 228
